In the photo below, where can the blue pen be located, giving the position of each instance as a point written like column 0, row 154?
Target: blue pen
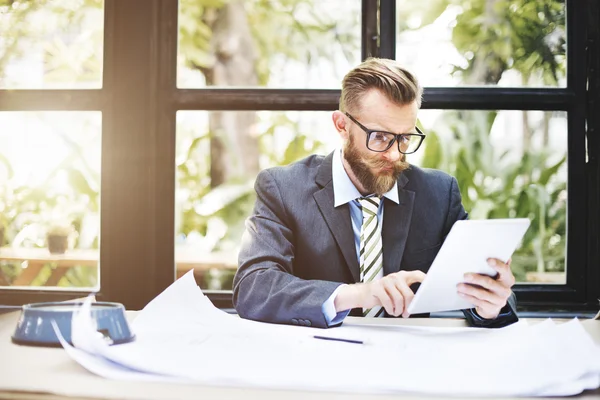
column 339, row 339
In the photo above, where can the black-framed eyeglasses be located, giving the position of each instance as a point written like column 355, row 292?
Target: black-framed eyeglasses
column 379, row 141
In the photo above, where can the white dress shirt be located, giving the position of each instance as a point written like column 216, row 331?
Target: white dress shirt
column 344, row 192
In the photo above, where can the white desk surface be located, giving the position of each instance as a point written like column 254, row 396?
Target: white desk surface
column 48, row 373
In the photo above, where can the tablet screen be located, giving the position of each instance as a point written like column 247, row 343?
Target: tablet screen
column 466, row 249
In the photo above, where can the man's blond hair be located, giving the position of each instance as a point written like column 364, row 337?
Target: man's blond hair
column 398, row 84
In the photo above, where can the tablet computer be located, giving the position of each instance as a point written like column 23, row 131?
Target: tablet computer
column 466, row 249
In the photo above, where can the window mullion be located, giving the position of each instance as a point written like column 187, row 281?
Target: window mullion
column 387, row 29
column 593, row 150
column 137, row 239
column 327, row 99
column 369, row 29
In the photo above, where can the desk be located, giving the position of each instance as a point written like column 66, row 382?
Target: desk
column 37, row 258
column 45, row 373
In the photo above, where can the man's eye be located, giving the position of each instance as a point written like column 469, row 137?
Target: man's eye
column 379, row 136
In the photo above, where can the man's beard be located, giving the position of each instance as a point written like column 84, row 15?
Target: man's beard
column 363, row 170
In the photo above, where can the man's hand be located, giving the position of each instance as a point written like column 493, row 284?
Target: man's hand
column 392, row 292
column 488, row 294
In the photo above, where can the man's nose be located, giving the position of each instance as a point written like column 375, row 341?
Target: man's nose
column 393, row 153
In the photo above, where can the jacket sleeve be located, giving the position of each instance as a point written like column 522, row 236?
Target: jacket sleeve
column 506, row 317
column 264, row 287
column 456, row 210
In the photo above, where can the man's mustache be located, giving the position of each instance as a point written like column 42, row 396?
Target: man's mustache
column 384, row 164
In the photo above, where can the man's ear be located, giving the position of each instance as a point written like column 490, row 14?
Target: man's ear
column 341, row 123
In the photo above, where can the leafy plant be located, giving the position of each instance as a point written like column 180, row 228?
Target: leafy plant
column 218, row 214
column 498, row 184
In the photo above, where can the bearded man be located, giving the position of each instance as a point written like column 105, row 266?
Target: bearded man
column 349, row 233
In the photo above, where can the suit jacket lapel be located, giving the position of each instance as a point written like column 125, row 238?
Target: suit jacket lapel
column 338, row 219
column 396, row 224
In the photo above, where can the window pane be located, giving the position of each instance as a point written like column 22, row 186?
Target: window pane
column 508, row 164
column 517, row 43
column 279, row 43
column 49, row 199
column 55, row 44
column 215, row 194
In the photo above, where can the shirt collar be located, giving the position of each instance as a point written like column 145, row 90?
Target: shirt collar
column 344, row 190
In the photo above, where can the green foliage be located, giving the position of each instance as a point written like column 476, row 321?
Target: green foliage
column 219, row 213
column 288, row 29
column 300, row 146
column 194, row 32
column 512, row 34
column 295, row 30
column 70, row 37
column 498, row 35
column 498, row 184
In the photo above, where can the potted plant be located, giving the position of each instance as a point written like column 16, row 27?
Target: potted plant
column 57, row 237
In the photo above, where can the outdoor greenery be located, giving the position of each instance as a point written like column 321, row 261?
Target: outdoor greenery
column 496, row 36
column 496, row 183
column 229, row 43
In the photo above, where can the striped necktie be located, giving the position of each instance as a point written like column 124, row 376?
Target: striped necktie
column 371, row 252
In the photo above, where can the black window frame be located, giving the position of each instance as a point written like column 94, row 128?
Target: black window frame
column 139, row 100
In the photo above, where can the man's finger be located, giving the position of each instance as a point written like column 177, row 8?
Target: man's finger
column 504, row 272
column 481, row 280
column 484, row 309
column 407, row 294
column 488, row 283
column 481, row 294
column 396, row 297
column 477, row 302
column 411, row 277
column 384, row 298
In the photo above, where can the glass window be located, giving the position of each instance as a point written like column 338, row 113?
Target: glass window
column 517, row 43
column 57, row 44
column 217, row 164
column 508, row 164
column 279, row 43
column 49, row 199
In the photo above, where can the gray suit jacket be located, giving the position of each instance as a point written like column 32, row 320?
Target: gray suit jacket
column 298, row 248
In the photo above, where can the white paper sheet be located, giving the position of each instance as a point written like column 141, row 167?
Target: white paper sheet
column 181, row 336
